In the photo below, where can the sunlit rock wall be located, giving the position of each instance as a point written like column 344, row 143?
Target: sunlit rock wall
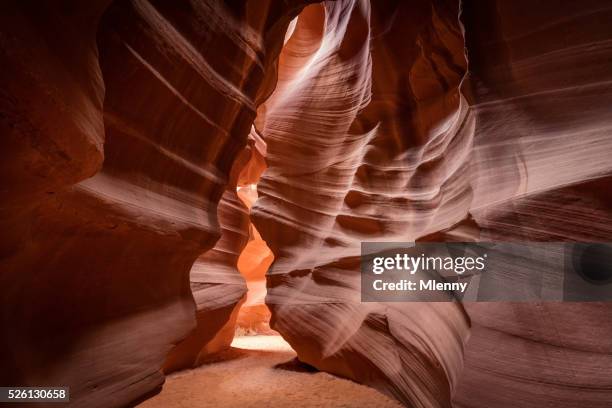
column 368, row 139
column 255, row 259
column 221, row 276
column 120, row 123
column 399, row 121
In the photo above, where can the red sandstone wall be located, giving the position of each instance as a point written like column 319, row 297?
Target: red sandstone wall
column 122, row 129
column 120, row 123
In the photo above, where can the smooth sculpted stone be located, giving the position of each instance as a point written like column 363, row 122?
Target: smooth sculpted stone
column 221, row 276
column 539, row 87
column 218, row 289
column 368, row 139
column 127, row 126
column 120, row 124
column 438, row 121
column 51, row 97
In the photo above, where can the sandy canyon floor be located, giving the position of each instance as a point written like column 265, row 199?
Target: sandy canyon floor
column 261, row 371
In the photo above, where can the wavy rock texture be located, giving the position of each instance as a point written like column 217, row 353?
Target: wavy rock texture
column 256, row 257
column 218, row 289
column 367, row 140
column 254, row 261
column 539, row 86
column 370, row 137
column 532, row 355
column 220, row 277
column 124, row 126
column 95, row 271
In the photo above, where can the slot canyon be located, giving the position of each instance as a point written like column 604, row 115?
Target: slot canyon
column 185, row 187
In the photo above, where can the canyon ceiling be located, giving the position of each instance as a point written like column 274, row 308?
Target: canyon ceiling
column 133, row 131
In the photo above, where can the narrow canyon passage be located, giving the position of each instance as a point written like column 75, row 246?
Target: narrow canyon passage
column 261, row 371
column 186, row 186
column 253, row 263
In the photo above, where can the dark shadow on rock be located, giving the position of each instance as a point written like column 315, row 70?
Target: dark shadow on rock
column 296, row 365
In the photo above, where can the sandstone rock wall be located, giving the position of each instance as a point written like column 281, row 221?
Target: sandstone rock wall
column 221, row 276
column 217, row 287
column 120, row 123
column 368, row 139
column 539, row 88
column 402, row 121
column 123, row 131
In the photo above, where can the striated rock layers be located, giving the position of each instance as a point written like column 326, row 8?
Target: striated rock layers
column 120, row 123
column 218, row 289
column 539, row 87
column 402, row 121
column 368, row 139
column 124, row 128
column 220, row 277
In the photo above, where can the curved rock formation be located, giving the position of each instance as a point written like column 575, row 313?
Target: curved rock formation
column 125, row 133
column 370, row 138
column 256, row 257
column 367, row 140
column 539, row 89
column 533, row 354
column 51, row 108
column 254, row 261
column 218, row 289
column 95, row 272
column 220, row 277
